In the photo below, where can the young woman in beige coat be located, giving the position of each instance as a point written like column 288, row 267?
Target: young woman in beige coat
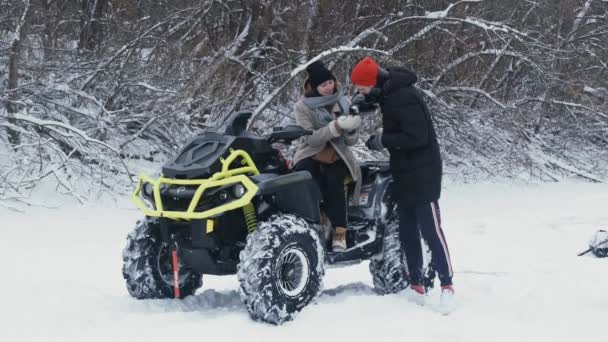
column 326, row 154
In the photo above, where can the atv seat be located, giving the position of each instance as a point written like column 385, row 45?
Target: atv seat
column 237, row 123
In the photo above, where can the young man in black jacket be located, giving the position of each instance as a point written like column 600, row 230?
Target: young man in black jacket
column 415, row 161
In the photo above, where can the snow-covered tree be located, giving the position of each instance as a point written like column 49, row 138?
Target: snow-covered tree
column 87, row 86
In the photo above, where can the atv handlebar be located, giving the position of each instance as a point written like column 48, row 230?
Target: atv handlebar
column 287, row 134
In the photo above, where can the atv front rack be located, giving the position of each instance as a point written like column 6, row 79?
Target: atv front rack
column 225, row 177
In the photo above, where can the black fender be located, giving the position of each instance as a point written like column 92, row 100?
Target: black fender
column 295, row 193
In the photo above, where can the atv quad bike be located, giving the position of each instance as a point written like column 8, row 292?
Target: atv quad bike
column 228, row 204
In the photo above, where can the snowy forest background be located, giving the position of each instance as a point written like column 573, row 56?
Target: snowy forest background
column 91, row 88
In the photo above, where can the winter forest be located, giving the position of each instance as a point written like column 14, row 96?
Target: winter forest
column 517, row 88
column 95, row 94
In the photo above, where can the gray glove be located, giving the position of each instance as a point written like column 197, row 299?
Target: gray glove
column 361, row 105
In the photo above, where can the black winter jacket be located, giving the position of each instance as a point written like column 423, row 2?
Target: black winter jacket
column 409, row 136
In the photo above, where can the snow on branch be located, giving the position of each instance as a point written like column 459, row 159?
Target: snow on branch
column 579, row 106
column 470, row 55
column 61, row 105
column 492, row 26
column 543, row 160
column 419, row 34
column 150, row 87
column 477, row 22
column 143, row 128
column 69, row 131
column 472, row 90
column 577, row 22
column 126, row 47
column 444, row 13
column 238, row 41
column 562, row 103
column 386, row 22
column 366, row 33
column 20, row 25
column 49, row 124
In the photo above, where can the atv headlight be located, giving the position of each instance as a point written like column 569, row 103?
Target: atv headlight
column 239, row 190
column 148, row 190
column 147, row 195
column 227, row 193
column 223, row 195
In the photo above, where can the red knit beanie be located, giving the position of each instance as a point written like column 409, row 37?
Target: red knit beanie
column 365, row 73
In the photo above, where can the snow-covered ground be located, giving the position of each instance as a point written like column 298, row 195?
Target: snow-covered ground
column 513, row 246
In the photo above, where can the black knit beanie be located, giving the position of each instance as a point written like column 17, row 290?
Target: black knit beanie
column 318, row 73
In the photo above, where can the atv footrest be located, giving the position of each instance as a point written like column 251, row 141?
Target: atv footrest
column 353, row 254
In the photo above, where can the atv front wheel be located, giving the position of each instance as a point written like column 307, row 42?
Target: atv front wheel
column 147, row 266
column 281, row 268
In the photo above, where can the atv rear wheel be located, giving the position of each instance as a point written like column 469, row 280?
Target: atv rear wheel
column 281, row 268
column 147, row 266
column 389, row 268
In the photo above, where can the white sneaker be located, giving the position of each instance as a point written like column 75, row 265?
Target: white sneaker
column 447, row 302
column 416, row 294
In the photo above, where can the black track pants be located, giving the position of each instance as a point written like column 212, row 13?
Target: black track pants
column 424, row 219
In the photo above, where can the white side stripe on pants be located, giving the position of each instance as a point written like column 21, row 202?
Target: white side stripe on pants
column 441, row 238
